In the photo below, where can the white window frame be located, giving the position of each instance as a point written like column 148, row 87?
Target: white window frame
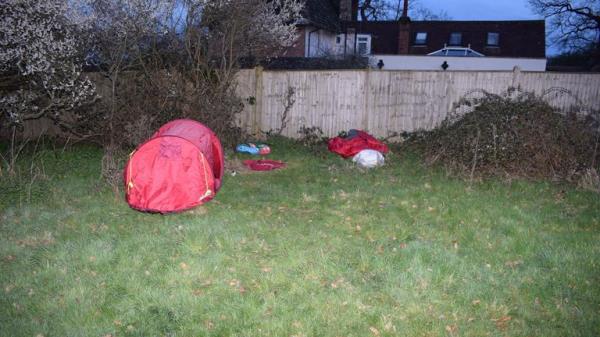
column 363, row 38
column 417, row 39
column 497, row 35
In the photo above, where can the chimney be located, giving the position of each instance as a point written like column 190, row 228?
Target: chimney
column 405, row 9
column 348, row 10
column 404, row 31
column 345, row 10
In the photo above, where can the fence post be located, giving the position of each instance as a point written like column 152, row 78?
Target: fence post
column 365, row 112
column 516, row 79
column 258, row 106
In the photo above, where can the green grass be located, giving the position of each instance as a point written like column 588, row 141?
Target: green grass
column 317, row 249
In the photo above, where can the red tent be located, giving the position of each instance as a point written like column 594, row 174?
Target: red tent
column 179, row 167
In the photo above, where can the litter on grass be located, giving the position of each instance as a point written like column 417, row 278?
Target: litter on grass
column 263, row 164
column 254, row 149
column 366, row 151
column 354, row 142
column 368, row 159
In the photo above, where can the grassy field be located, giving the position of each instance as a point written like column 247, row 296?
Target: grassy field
column 317, row 249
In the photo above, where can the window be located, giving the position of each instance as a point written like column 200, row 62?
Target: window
column 421, row 38
column 455, row 39
column 363, row 44
column 493, row 39
column 338, row 39
column 456, row 51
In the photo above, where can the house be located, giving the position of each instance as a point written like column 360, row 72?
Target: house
column 330, row 28
column 319, row 27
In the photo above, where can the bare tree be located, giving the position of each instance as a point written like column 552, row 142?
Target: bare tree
column 119, row 34
column 166, row 59
column 373, row 10
column 216, row 34
column 426, row 14
column 575, row 24
column 182, row 55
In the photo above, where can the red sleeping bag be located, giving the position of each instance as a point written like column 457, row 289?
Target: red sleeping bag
column 357, row 141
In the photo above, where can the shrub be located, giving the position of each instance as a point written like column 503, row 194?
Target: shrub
column 312, row 138
column 516, row 134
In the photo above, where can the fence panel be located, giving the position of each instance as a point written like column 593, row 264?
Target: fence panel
column 388, row 102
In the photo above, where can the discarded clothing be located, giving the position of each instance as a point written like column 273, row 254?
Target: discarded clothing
column 264, row 164
column 356, row 141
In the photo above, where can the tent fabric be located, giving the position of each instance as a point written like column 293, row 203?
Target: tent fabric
column 178, row 168
column 358, row 141
column 201, row 136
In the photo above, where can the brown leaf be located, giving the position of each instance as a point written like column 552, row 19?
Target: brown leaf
column 209, row 325
column 502, row 322
column 9, row 258
column 184, row 266
column 451, row 328
column 374, row 331
column 513, row 264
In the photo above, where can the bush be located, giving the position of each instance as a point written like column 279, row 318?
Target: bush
column 516, row 134
column 313, row 139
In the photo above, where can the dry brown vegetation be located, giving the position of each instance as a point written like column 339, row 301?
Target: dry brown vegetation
column 515, row 134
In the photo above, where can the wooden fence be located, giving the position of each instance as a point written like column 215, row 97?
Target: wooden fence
column 388, row 102
column 381, row 102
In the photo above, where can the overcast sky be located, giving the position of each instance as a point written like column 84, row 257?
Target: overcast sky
column 482, row 9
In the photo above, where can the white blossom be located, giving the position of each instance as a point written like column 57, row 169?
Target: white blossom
column 39, row 46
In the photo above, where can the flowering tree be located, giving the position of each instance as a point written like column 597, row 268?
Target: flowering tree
column 40, row 60
column 38, row 49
